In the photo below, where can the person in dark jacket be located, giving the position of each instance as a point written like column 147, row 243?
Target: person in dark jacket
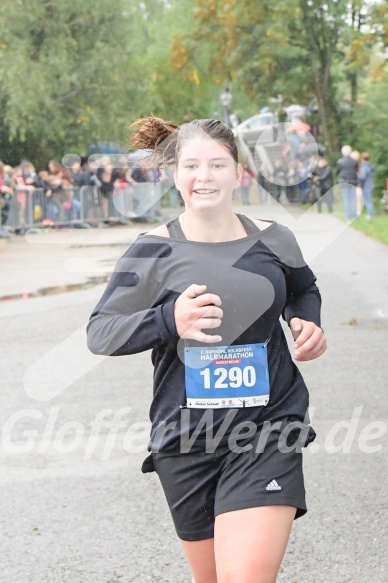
column 324, row 178
column 347, row 176
column 280, row 171
column 6, row 193
column 365, row 180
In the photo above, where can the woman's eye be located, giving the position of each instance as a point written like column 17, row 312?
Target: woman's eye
column 218, row 165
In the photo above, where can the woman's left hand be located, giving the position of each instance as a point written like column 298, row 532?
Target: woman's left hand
column 310, row 341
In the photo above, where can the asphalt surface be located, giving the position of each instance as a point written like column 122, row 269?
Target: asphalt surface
column 75, row 506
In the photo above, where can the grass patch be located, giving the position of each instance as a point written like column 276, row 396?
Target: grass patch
column 376, row 227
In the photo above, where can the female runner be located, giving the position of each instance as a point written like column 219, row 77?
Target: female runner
column 229, row 413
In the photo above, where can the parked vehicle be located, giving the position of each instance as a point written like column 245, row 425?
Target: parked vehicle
column 295, row 112
column 259, row 127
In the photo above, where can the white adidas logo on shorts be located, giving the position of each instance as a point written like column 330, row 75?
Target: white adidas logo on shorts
column 273, row 486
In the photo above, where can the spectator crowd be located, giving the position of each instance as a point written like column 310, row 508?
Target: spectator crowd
column 306, row 178
column 54, row 193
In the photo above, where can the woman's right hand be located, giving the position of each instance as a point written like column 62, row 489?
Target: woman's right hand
column 194, row 310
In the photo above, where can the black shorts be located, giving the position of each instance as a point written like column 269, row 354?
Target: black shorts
column 199, row 485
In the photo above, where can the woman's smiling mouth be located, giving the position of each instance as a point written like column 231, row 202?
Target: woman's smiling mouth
column 204, row 191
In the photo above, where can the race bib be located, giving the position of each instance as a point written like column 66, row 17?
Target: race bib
column 226, row 376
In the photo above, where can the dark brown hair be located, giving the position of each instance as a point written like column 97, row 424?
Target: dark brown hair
column 60, row 171
column 165, row 139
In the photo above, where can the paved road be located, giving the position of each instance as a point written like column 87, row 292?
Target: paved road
column 74, row 505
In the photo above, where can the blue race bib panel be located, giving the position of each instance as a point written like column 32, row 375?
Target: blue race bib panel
column 227, row 376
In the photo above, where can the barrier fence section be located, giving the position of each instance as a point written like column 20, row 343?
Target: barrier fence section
column 34, row 207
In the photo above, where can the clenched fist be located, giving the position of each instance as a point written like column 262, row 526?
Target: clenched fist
column 310, row 341
column 194, row 310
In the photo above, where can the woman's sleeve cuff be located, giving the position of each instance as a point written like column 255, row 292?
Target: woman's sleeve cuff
column 167, row 313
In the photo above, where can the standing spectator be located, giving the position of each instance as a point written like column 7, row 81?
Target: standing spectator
column 23, row 189
column 234, row 119
column 280, row 171
column 123, row 173
column 62, row 178
column 146, row 205
column 107, row 179
column 356, row 156
column 6, row 193
column 78, row 176
column 294, row 140
column 30, row 177
column 324, row 178
column 29, row 174
column 366, row 182
column 89, row 174
column 139, row 173
column 265, row 182
column 302, row 174
column 292, row 181
column 49, row 186
column 56, row 169
column 172, row 193
column 246, row 182
column 122, row 195
column 347, row 177
column 5, row 181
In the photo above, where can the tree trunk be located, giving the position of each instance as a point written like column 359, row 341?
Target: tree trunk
column 322, row 82
column 353, row 88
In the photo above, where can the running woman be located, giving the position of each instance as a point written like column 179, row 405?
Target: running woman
column 230, row 408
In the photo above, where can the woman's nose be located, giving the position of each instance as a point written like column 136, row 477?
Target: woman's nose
column 204, row 173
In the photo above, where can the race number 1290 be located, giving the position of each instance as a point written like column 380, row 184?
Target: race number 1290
column 229, row 377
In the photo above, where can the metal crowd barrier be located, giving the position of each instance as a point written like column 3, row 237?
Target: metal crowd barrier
column 140, row 202
column 35, row 207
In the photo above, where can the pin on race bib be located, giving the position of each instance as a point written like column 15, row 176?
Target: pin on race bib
column 227, row 376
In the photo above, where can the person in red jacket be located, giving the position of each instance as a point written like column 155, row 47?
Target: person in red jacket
column 246, row 182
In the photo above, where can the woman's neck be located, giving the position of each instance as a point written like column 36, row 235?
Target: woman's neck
column 210, row 229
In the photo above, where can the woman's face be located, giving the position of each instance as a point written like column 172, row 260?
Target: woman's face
column 206, row 174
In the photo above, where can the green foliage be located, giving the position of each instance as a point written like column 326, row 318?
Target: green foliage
column 66, row 73
column 298, row 49
column 75, row 73
column 174, row 94
column 371, row 121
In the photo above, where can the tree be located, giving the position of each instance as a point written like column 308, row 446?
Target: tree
column 371, row 119
column 72, row 74
column 292, row 48
column 176, row 93
column 66, row 74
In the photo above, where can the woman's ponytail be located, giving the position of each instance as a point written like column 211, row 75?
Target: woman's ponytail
column 158, row 136
column 164, row 139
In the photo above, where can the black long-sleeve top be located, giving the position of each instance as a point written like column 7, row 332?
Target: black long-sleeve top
column 258, row 278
